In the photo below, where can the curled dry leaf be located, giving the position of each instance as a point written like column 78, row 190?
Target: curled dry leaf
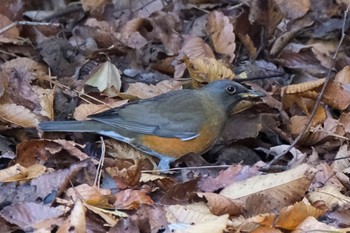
column 196, row 48
column 130, row 34
column 91, row 194
column 192, row 48
column 290, row 217
column 10, row 171
column 331, row 196
column 206, row 70
column 27, row 173
column 302, row 87
column 18, row 115
column 221, row 33
column 126, row 176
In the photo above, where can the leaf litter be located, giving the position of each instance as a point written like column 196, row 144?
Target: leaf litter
column 109, row 53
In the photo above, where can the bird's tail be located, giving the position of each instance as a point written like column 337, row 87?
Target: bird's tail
column 71, row 126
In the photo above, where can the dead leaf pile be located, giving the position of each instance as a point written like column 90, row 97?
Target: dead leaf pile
column 69, row 59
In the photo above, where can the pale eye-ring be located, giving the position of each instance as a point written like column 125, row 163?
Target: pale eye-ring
column 231, row 89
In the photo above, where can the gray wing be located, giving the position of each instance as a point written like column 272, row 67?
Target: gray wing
column 152, row 116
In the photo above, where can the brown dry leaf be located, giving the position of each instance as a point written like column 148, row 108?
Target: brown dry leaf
column 195, row 218
column 92, row 5
column 18, row 115
column 343, row 76
column 46, row 97
column 57, row 181
column 126, row 176
column 103, row 33
column 266, row 230
column 206, row 70
column 165, row 28
column 221, row 34
column 84, row 110
column 197, row 48
column 290, row 217
column 293, row 9
column 34, row 151
column 326, row 176
column 131, row 199
column 311, row 224
column 336, row 96
column 284, row 188
column 91, row 194
column 123, row 151
column 344, row 121
column 25, row 215
column 107, row 215
column 252, row 124
column 297, row 122
column 180, row 192
column 323, row 51
column 249, row 45
column 76, row 219
column 145, row 177
column 27, row 173
column 11, row 35
column 330, row 196
column 192, row 48
column 10, row 171
column 267, row 14
column 220, row 205
column 106, row 77
column 341, row 160
column 130, row 34
column 144, row 91
column 303, row 87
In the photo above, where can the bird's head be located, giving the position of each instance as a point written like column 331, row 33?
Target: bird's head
column 228, row 93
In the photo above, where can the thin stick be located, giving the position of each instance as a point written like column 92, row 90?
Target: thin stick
column 319, row 97
column 100, row 164
column 27, row 23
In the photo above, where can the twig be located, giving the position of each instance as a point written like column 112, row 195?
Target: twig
column 100, row 164
column 258, row 77
column 319, row 97
column 27, row 23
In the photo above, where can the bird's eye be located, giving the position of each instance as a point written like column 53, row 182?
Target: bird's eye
column 231, row 89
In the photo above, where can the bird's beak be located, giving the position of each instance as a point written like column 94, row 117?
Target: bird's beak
column 251, row 94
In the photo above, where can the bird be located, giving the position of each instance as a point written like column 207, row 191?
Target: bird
column 169, row 125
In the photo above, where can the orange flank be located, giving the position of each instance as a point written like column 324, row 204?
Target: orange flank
column 177, row 148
